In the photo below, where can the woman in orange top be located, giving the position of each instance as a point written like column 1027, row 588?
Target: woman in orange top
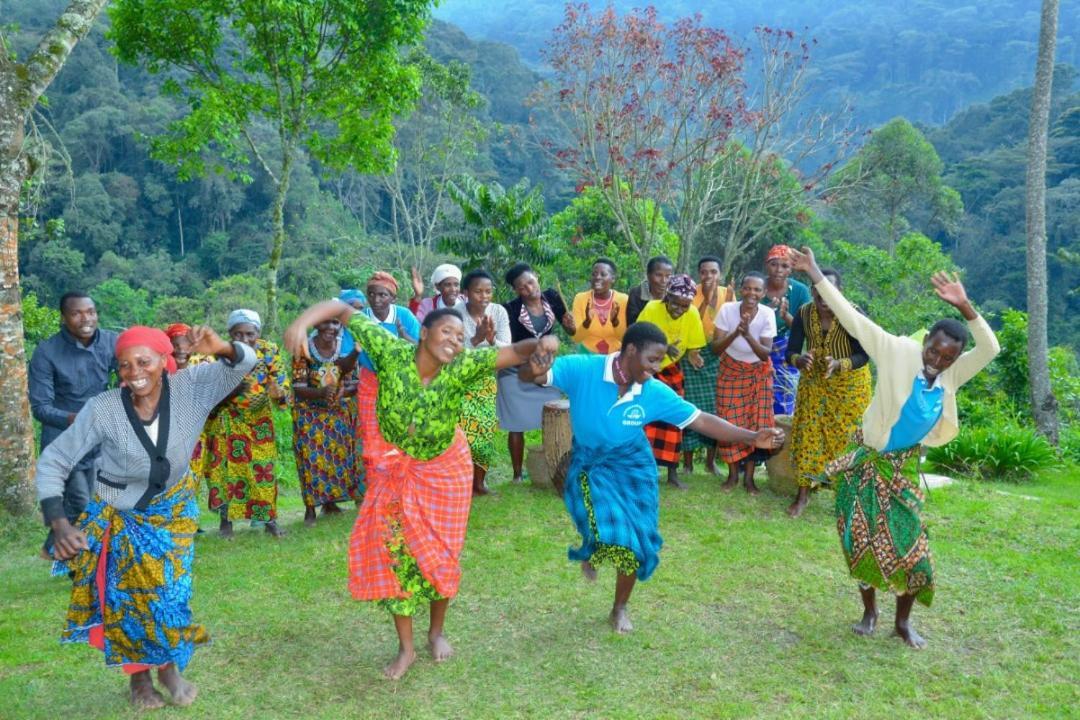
column 600, row 312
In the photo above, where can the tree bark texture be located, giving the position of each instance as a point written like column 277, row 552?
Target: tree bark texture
column 21, row 85
column 1044, row 406
column 277, row 246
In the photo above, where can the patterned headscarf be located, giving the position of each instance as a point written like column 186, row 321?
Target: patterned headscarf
column 777, row 251
column 241, row 316
column 177, row 329
column 156, row 340
column 682, row 286
column 385, row 279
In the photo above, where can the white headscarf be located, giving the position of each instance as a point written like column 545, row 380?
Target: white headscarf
column 444, row 271
column 237, row 317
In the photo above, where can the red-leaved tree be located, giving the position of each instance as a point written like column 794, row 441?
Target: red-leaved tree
column 666, row 112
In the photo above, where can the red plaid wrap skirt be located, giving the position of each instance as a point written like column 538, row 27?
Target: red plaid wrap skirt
column 744, row 398
column 430, row 499
column 666, row 438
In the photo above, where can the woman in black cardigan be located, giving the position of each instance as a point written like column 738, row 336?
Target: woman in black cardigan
column 533, row 314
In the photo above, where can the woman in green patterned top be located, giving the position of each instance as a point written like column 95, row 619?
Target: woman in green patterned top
column 410, row 530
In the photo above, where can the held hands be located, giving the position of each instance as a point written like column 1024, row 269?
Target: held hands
column 805, row 361
column 544, row 356
column 69, row 541
column 832, row 365
column 769, row 438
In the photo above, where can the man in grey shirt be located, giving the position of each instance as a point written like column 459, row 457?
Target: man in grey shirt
column 66, row 370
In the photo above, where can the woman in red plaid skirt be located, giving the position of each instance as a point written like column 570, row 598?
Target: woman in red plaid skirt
column 744, row 385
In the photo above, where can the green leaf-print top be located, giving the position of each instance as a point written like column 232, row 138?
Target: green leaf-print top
column 418, row 419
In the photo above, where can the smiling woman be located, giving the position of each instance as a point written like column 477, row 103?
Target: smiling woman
column 143, row 514
column 611, row 490
column 410, row 531
column 680, row 322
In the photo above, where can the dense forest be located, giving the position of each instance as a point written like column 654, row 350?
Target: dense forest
column 921, row 59
column 104, row 215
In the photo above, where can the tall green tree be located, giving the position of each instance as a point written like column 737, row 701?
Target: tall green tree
column 269, row 79
column 501, row 226
column 22, row 83
column 898, row 188
column 1044, row 406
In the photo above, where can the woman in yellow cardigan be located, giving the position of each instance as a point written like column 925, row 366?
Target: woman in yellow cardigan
column 878, row 510
column 600, row 312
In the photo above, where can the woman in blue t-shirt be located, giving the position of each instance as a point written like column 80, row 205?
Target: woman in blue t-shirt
column 611, row 487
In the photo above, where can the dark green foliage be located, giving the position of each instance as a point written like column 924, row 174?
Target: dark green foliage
column 1000, row 452
column 39, row 322
column 925, row 61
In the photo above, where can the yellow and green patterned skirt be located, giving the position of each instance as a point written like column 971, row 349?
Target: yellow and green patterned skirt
column 827, row 413
column 479, row 421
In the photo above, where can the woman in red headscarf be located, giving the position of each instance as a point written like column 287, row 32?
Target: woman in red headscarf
column 130, row 554
column 785, row 296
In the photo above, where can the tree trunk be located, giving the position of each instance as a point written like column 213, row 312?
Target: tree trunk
column 277, row 246
column 1044, row 406
column 21, row 85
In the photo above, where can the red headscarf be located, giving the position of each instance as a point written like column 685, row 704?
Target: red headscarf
column 156, row 340
column 385, row 279
column 177, row 329
column 777, row 251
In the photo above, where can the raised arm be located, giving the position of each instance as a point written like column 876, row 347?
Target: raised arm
column 874, row 340
column 951, row 290
column 295, row 338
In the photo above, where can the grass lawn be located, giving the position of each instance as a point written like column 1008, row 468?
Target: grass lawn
column 747, row 616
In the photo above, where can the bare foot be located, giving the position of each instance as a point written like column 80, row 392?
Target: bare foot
column 674, row 481
column 440, row 648
column 225, row 530
column 711, row 469
column 183, row 693
column 796, row 508
column 44, row 555
column 751, row 488
column 620, row 620
column 731, row 483
column 331, row 509
column 588, row 571
column 906, row 632
column 401, row 664
column 144, row 696
column 309, row 517
column 867, row 625
column 272, row 528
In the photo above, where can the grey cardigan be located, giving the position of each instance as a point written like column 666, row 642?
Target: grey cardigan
column 130, row 469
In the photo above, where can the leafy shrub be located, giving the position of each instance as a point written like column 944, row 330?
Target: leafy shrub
column 39, row 321
column 1070, row 443
column 999, row 452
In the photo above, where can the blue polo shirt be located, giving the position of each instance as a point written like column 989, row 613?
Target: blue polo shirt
column 598, row 416
column 409, row 324
column 918, row 416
